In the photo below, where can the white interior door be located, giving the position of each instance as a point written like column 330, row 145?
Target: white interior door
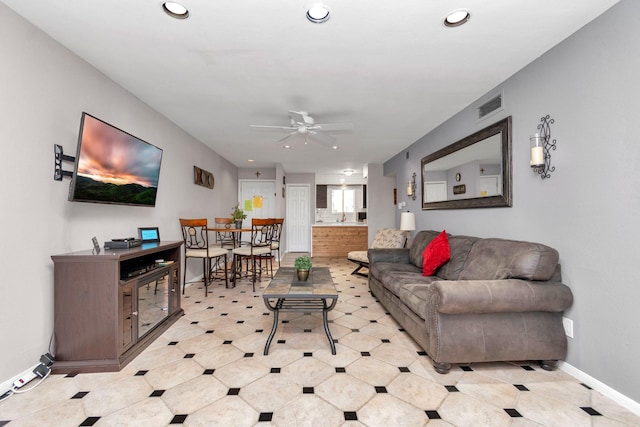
column 435, row 191
column 257, row 198
column 298, row 221
column 490, row 186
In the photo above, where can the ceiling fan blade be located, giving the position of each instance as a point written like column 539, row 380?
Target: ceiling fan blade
column 291, row 135
column 333, row 126
column 277, row 128
column 322, row 138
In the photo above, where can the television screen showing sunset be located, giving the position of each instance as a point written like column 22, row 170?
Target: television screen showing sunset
column 114, row 166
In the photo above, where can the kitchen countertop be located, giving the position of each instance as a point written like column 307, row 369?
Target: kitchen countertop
column 339, row 224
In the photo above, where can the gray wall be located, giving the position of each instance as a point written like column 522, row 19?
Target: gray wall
column 380, row 207
column 44, row 90
column 588, row 208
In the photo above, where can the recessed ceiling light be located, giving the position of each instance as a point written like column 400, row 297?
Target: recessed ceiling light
column 250, row 160
column 175, row 10
column 286, row 146
column 348, row 172
column 457, row 18
column 335, row 147
column 318, row 14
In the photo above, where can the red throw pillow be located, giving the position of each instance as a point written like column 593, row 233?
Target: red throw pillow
column 436, row 254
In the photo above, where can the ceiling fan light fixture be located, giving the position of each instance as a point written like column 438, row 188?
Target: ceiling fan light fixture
column 457, row 18
column 175, row 10
column 318, row 14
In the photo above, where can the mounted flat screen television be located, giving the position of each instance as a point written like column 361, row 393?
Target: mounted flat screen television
column 113, row 166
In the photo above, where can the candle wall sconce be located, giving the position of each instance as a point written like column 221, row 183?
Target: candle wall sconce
column 411, row 187
column 541, row 146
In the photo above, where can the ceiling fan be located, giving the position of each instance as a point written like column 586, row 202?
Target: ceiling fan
column 301, row 123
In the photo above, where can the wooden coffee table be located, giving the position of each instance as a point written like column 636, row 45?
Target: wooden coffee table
column 287, row 293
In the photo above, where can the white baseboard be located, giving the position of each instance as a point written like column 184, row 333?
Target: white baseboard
column 612, row 394
column 7, row 385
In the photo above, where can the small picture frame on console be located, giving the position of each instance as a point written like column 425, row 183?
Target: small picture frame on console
column 96, row 246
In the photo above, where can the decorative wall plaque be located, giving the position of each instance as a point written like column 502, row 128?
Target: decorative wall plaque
column 202, row 177
column 459, row 189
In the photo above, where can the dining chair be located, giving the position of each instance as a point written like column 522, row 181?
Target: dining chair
column 275, row 240
column 258, row 250
column 226, row 239
column 196, row 245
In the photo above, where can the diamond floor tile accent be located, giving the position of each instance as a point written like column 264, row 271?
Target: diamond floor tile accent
column 209, row 369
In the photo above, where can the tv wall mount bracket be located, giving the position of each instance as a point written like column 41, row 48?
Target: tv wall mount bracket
column 58, row 158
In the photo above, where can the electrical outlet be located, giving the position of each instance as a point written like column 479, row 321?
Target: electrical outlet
column 568, row 326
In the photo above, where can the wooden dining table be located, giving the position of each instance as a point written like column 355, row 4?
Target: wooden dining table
column 236, row 243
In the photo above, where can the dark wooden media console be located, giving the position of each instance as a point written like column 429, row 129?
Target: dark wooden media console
column 110, row 306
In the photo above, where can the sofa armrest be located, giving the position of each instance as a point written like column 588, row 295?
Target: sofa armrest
column 399, row 255
column 498, row 296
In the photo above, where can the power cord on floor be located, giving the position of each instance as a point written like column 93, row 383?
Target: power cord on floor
column 42, row 370
column 16, row 390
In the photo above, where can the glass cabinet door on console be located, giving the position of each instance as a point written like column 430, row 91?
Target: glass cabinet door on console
column 153, row 300
column 174, row 288
column 125, row 319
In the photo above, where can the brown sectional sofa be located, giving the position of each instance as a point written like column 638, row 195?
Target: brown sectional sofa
column 495, row 300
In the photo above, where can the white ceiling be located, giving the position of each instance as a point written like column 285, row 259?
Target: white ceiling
column 392, row 69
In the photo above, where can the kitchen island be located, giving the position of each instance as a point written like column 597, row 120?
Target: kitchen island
column 336, row 240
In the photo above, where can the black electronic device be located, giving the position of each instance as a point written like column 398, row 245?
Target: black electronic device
column 149, row 234
column 136, row 272
column 123, row 243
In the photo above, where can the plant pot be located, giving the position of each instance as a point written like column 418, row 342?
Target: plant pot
column 238, row 223
column 303, row 275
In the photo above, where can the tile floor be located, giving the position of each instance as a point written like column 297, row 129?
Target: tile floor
column 208, row 370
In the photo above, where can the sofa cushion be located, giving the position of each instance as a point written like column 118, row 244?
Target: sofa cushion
column 418, row 244
column 387, row 270
column 414, row 296
column 460, row 246
column 435, row 254
column 393, row 278
column 495, row 259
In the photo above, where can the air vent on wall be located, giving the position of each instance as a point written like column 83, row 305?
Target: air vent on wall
column 492, row 105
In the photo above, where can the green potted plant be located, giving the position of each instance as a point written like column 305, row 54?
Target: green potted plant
column 302, row 265
column 237, row 215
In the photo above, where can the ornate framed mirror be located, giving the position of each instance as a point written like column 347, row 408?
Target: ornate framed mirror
column 474, row 172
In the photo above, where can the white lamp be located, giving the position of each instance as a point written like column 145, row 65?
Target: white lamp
column 407, row 221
